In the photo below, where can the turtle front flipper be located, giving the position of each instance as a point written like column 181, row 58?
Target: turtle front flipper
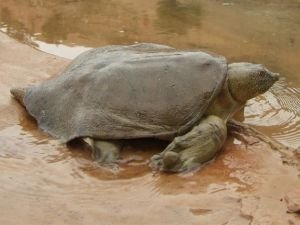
column 194, row 148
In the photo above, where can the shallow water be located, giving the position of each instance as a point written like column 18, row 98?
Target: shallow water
column 44, row 177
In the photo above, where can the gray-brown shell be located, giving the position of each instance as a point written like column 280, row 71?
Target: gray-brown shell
column 123, row 92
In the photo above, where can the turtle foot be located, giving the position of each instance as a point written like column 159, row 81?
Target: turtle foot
column 105, row 152
column 187, row 152
column 170, row 161
column 173, row 162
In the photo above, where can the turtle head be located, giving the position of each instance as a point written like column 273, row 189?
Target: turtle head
column 247, row 80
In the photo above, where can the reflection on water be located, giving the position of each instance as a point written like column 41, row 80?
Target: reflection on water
column 61, row 50
column 175, row 17
column 278, row 112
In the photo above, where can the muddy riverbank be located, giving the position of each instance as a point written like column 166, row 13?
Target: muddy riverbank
column 43, row 182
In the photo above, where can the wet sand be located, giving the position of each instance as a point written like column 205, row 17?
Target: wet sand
column 43, row 182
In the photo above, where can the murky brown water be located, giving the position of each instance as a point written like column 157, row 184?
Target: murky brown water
column 42, row 182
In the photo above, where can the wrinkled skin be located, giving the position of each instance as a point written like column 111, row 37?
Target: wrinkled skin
column 194, row 148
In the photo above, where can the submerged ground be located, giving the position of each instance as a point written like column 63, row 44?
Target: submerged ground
column 43, row 182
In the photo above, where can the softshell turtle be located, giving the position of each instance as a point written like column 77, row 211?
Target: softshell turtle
column 144, row 90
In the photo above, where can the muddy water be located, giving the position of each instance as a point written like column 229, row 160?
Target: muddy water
column 43, row 182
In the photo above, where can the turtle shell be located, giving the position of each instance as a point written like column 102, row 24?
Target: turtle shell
column 125, row 92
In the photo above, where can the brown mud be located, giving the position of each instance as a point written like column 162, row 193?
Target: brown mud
column 43, row 182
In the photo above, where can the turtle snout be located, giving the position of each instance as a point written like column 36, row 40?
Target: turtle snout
column 275, row 76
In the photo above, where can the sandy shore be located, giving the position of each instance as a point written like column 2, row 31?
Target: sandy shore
column 43, row 182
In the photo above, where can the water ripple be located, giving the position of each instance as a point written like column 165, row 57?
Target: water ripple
column 277, row 112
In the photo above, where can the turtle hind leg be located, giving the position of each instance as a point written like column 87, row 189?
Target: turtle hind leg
column 194, row 148
column 105, row 152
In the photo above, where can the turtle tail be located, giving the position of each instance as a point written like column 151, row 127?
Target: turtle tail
column 19, row 94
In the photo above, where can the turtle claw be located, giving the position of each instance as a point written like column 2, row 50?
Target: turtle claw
column 169, row 161
column 156, row 162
